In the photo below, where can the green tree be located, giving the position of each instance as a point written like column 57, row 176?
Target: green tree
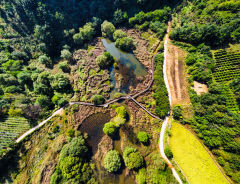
column 121, row 111
column 98, row 99
column 143, row 137
column 118, row 34
column 107, row 29
column 168, row 152
column 44, row 102
column 132, row 158
column 24, row 78
column 105, row 60
column 45, row 60
column 119, row 17
column 66, row 54
column 112, row 161
column 177, row 112
column 70, row 167
column 109, row 128
column 64, row 66
column 125, row 44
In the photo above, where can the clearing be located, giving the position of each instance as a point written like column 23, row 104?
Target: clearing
column 192, row 157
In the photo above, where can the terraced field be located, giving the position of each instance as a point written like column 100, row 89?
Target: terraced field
column 10, row 129
column 227, row 65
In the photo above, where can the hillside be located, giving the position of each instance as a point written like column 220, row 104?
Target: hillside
column 101, row 78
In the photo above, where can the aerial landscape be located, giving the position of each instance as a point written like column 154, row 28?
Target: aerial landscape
column 120, row 91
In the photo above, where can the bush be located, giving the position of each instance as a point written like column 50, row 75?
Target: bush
column 64, row 66
column 132, row 158
column 141, row 176
column 107, row 29
column 112, row 161
column 118, row 121
column 62, row 102
column 121, row 111
column 66, row 54
column 97, row 99
column 168, row 152
column 44, row 102
column 143, row 137
column 119, row 34
column 105, row 60
column 45, row 60
column 177, row 112
column 125, row 44
column 109, row 128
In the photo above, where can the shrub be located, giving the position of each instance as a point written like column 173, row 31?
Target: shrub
column 119, row 34
column 97, row 99
column 107, row 29
column 121, row 111
column 44, row 102
column 177, row 112
column 168, row 152
column 24, row 78
column 132, row 158
column 143, row 137
column 109, row 128
column 70, row 133
column 125, row 44
column 105, row 60
column 44, row 59
column 62, row 102
column 141, row 176
column 64, row 66
column 118, row 121
column 66, row 54
column 112, row 161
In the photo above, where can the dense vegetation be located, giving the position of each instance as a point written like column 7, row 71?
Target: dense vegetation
column 160, row 90
column 112, row 161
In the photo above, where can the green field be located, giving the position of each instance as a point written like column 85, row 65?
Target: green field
column 193, row 159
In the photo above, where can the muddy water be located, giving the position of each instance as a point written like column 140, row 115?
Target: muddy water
column 129, row 68
column 93, row 126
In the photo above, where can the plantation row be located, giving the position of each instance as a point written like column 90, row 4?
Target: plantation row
column 10, row 129
column 227, row 65
column 230, row 99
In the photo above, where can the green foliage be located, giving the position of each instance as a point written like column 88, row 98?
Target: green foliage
column 45, row 60
column 160, row 90
column 107, row 29
column 97, row 99
column 66, row 54
column 64, row 66
column 112, row 161
column 70, row 167
column 118, row 121
column 43, row 101
column 125, row 44
column 121, row 111
column 118, row 34
column 85, row 34
column 141, row 176
column 105, row 60
column 168, row 152
column 70, row 133
column 119, row 17
column 132, row 158
column 177, row 112
column 24, row 78
column 143, row 137
column 109, row 128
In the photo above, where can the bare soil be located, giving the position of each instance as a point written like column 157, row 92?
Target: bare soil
column 176, row 75
column 200, row 88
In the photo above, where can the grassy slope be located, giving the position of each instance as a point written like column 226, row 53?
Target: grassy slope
column 194, row 160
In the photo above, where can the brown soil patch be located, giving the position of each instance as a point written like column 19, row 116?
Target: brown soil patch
column 200, row 88
column 176, row 74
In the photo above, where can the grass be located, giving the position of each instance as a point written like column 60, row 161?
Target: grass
column 193, row 159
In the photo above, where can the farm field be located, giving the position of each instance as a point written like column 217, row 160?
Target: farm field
column 10, row 129
column 193, row 159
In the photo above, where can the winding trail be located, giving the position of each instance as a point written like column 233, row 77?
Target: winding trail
column 128, row 97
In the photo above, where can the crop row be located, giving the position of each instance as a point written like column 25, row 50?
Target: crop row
column 10, row 129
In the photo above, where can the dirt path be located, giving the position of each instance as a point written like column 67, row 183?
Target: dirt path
column 176, row 74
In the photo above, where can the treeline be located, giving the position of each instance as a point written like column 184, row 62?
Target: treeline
column 159, row 87
column 212, row 22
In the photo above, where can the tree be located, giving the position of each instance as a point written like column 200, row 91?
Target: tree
column 45, row 60
column 121, row 111
column 107, row 29
column 66, row 54
column 43, row 101
column 24, row 78
column 109, row 128
column 112, row 161
column 64, row 66
column 98, row 99
column 132, row 158
column 177, row 112
column 70, row 167
column 125, row 44
column 119, row 17
column 105, row 60
column 168, row 152
column 143, row 137
column 118, row 34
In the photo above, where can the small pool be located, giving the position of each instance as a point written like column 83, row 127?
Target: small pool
column 129, row 68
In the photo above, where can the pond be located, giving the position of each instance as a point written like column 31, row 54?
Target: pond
column 129, row 68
